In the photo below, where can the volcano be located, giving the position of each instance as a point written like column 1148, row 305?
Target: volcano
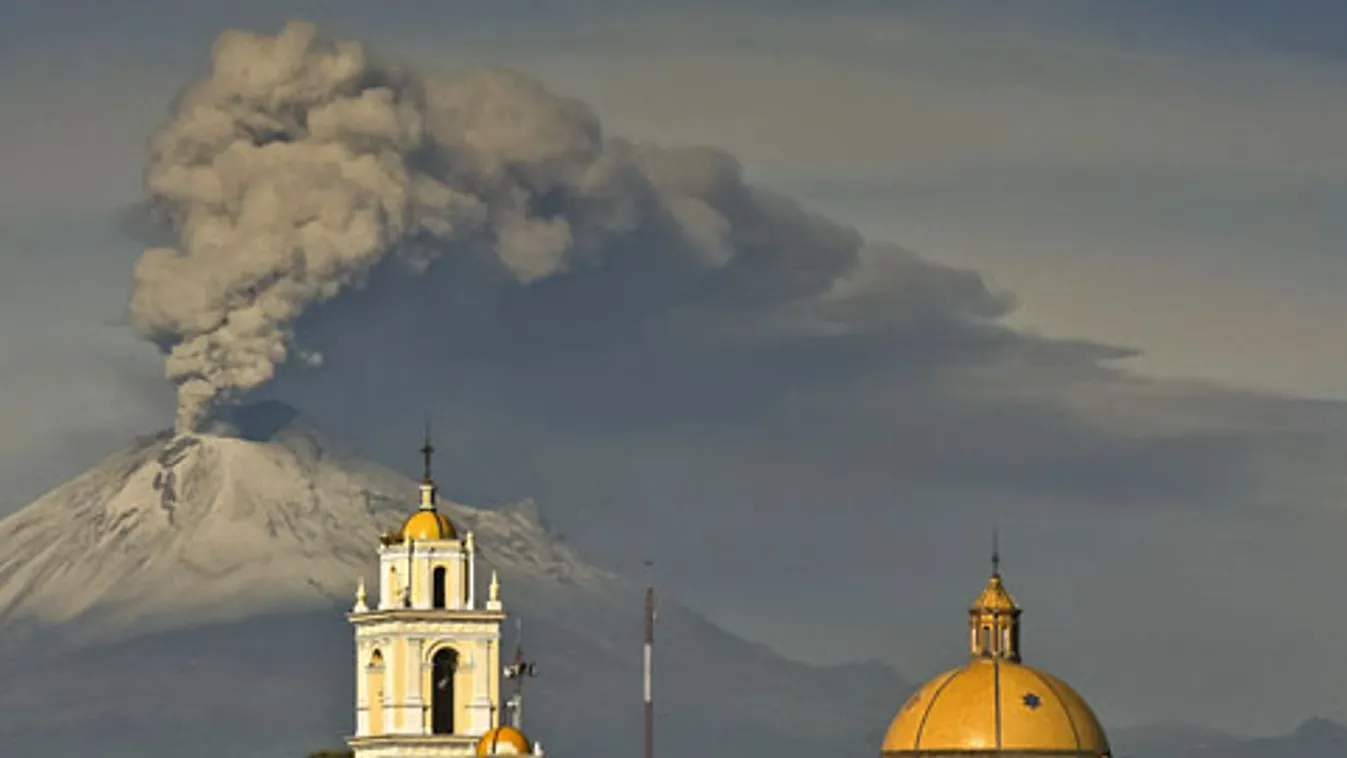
column 185, row 597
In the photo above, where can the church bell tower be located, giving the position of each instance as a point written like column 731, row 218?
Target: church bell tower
column 428, row 654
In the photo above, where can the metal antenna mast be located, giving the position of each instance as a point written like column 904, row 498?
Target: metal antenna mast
column 649, row 645
column 518, row 670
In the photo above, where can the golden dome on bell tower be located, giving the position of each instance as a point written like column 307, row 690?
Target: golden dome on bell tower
column 427, row 523
column 995, row 705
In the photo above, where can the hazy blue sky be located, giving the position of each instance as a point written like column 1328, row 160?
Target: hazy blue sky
column 1160, row 432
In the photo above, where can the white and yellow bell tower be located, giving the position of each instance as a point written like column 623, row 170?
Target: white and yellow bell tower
column 428, row 655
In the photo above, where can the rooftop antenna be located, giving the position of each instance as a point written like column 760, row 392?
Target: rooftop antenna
column 519, row 670
column 649, row 645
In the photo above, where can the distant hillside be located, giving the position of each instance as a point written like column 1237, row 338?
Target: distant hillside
column 1315, row 738
column 1170, row 740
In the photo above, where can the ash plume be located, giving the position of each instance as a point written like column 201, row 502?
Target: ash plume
column 298, row 166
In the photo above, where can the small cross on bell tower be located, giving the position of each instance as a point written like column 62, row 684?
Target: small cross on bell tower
column 427, row 480
column 427, row 450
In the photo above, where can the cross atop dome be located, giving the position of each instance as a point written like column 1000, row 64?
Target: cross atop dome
column 427, row 450
column 427, row 522
column 427, row 480
column 996, row 555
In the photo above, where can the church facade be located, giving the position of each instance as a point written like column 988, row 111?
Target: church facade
column 427, row 654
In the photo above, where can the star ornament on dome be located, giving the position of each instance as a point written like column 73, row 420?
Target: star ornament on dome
column 1031, row 701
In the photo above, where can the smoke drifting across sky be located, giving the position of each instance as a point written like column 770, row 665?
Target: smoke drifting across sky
column 299, row 167
column 679, row 365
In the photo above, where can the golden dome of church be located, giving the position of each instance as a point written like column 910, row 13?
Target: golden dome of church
column 504, row 740
column 427, row 523
column 995, row 705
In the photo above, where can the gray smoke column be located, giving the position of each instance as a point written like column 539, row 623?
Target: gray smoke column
column 298, row 165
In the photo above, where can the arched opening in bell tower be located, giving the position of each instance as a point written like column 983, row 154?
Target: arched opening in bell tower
column 443, row 667
column 440, row 589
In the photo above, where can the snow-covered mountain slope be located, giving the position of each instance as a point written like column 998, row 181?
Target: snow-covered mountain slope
column 180, row 530
column 189, row 591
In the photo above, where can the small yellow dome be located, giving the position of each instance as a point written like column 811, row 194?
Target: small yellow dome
column 504, row 740
column 428, row 524
column 995, row 597
column 996, row 705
